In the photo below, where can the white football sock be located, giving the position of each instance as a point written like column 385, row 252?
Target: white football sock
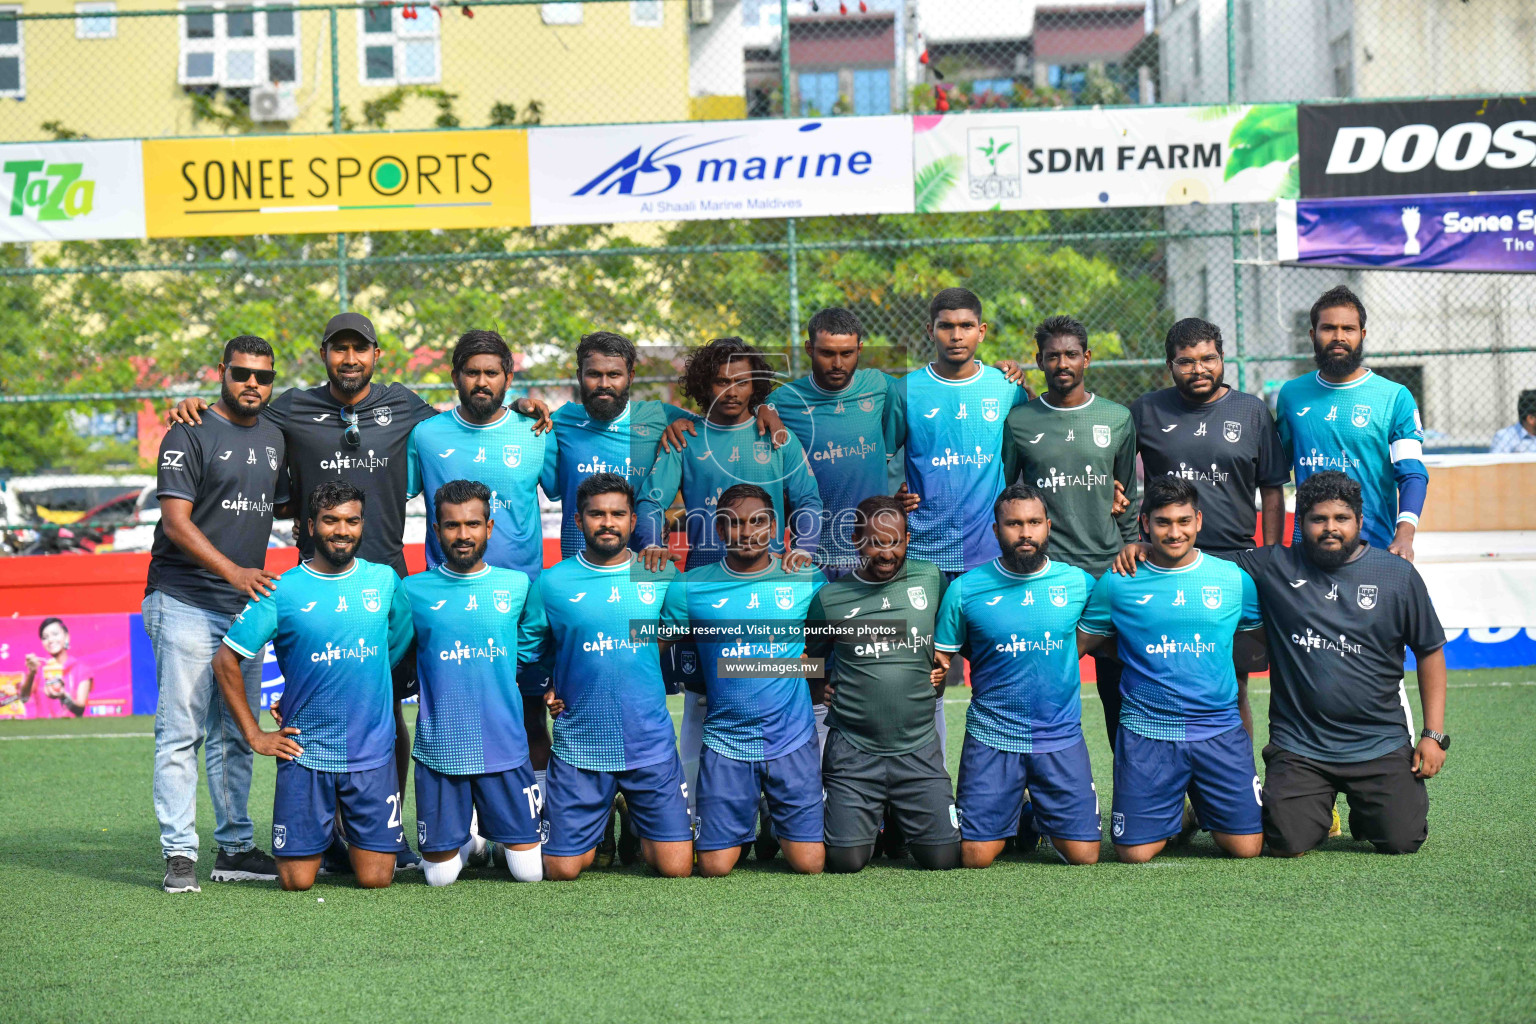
column 442, row 872
column 525, row 865
column 474, row 848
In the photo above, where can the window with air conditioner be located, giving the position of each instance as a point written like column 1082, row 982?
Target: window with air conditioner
column 13, row 66
column 95, row 21
column 560, row 14
column 239, row 46
column 645, row 13
column 396, row 50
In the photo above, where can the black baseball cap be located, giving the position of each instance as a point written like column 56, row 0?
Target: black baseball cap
column 349, row 323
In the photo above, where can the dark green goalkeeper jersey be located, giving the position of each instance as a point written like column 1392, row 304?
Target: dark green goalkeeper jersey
column 883, row 701
column 1075, row 456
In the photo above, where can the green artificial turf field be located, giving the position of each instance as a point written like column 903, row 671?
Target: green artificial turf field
column 1340, row 935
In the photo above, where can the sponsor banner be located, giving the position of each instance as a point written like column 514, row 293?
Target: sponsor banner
column 70, row 191
column 706, row 170
column 1490, row 233
column 1073, row 159
column 300, row 184
column 97, row 651
column 1393, row 149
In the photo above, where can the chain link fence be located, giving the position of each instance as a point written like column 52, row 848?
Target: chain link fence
column 99, row 334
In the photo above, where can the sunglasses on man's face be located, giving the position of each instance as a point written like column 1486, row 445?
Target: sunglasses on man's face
column 352, row 435
column 241, row 374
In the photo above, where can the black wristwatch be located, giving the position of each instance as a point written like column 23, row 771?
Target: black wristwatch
column 1439, row 737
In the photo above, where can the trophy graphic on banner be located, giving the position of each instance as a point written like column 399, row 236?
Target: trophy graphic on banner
column 1411, row 228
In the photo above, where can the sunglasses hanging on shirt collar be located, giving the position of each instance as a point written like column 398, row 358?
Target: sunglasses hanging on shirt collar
column 352, row 434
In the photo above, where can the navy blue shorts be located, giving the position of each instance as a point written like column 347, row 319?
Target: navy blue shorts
column 991, row 793
column 304, row 810
column 728, row 792
column 1152, row 776
column 508, row 803
column 578, row 802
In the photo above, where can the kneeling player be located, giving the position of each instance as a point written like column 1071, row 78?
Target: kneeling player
column 759, row 732
column 1179, row 725
column 338, row 622
column 473, row 623
column 882, row 745
column 613, row 733
column 1014, row 619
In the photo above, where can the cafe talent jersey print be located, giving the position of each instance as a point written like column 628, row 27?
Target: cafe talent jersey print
column 509, row 459
column 336, row 636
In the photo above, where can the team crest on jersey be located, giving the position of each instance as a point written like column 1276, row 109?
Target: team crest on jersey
column 502, row 599
column 989, row 409
column 371, row 599
column 690, row 663
column 272, row 457
column 1360, row 416
column 866, row 405
column 1232, row 431
column 784, row 597
column 279, row 836
column 918, row 596
column 382, row 415
column 1117, row 822
column 646, row 592
column 1101, row 434
column 762, row 451
column 1211, row 596
column 512, row 455
column 1365, row 596
column 1059, row 596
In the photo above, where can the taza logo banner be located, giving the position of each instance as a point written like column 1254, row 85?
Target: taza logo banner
column 704, row 170
column 1074, row 159
column 71, row 191
column 1491, row 232
column 390, row 181
column 1394, row 149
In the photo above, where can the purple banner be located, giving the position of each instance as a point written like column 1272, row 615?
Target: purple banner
column 1493, row 232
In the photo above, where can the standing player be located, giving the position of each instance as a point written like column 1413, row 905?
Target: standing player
column 1075, row 447
column 474, row 623
column 613, row 732
column 1341, row 611
column 1346, row 418
column 759, row 734
column 219, row 485
column 1179, row 727
column 339, row 623
column 1014, row 619
column 1224, row 442
column 882, row 749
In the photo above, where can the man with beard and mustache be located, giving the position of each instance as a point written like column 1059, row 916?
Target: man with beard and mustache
column 339, row 624
column 613, row 733
column 1174, row 625
column 1339, row 611
column 220, row 482
column 474, row 622
column 1015, row 618
column 1346, row 418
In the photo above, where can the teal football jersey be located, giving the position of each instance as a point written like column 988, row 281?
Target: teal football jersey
column 336, row 638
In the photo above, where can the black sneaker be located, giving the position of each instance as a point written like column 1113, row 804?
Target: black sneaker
column 252, row 865
column 407, row 860
column 335, row 860
column 606, row 845
column 181, row 875
column 767, row 845
column 629, row 842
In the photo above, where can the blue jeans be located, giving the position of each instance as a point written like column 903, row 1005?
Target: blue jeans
column 189, row 714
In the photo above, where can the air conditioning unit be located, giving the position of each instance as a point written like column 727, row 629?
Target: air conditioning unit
column 270, row 103
column 701, row 12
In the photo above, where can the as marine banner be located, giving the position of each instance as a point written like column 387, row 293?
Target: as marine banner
column 298, row 184
column 1083, row 158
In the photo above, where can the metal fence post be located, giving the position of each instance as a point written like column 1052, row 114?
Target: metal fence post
column 342, row 295
column 789, row 227
column 1237, row 238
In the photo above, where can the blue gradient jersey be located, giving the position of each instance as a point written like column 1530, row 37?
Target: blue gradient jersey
column 625, row 445
column 714, row 460
column 954, row 445
column 1020, row 634
column 731, row 615
column 506, row 456
column 471, row 631
column 601, row 630
column 1369, row 429
column 848, row 436
column 336, row 637
column 1175, row 629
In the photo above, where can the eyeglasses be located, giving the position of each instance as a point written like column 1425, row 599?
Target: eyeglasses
column 1207, row 362
column 241, row 374
column 352, row 435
